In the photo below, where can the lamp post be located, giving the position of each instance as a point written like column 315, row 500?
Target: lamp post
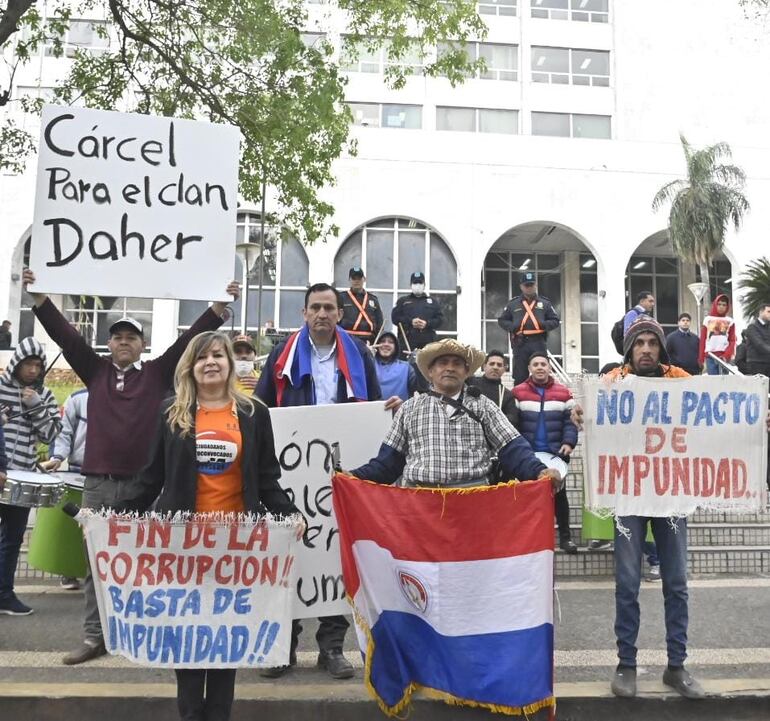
column 247, row 252
column 698, row 290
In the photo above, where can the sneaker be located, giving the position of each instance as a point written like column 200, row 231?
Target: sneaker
column 624, row 682
column 568, row 546
column 680, row 680
column 274, row 671
column 85, row 652
column 69, row 584
column 335, row 663
column 598, row 545
column 11, row 606
column 653, row 574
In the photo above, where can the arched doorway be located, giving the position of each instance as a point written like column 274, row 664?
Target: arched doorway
column 654, row 267
column 566, row 273
column 390, row 250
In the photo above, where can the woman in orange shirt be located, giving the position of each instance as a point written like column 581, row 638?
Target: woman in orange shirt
column 214, row 452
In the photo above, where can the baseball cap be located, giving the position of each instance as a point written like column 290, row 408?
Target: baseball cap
column 131, row 323
column 356, row 272
column 244, row 340
column 528, row 278
column 418, row 277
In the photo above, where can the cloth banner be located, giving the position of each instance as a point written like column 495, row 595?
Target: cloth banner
column 451, row 591
column 194, row 591
column 304, row 438
column 666, row 447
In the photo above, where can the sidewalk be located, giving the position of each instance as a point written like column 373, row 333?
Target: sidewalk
column 729, row 652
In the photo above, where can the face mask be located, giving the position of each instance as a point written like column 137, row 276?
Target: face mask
column 418, row 288
column 243, row 368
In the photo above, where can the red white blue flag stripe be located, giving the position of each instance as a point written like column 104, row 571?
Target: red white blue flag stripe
column 452, row 591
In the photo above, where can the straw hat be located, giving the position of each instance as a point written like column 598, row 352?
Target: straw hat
column 473, row 357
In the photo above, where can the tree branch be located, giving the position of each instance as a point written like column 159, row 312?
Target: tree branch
column 9, row 20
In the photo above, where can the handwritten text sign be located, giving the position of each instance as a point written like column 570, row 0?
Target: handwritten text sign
column 659, row 447
column 134, row 205
column 303, row 443
column 195, row 593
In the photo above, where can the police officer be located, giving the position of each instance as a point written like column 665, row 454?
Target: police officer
column 362, row 315
column 528, row 318
column 416, row 316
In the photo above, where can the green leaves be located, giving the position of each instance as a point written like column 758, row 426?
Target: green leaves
column 755, row 286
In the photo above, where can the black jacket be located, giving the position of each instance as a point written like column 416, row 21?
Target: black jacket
column 683, row 350
column 417, row 306
column 511, row 318
column 172, row 470
column 757, row 337
column 366, row 332
column 491, row 389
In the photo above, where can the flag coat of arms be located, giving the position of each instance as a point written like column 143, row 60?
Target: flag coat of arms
column 452, row 591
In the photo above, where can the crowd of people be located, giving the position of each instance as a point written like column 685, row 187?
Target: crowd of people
column 137, row 430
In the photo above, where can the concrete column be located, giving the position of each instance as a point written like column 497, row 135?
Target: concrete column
column 469, row 299
column 570, row 321
column 610, row 276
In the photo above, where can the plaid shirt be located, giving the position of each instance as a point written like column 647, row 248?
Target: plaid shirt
column 445, row 450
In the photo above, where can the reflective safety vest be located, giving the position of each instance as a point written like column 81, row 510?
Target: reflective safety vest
column 362, row 316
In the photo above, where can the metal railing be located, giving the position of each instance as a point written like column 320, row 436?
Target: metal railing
column 727, row 367
column 558, row 370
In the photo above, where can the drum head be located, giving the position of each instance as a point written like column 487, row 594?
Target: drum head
column 71, row 479
column 554, row 462
column 40, row 479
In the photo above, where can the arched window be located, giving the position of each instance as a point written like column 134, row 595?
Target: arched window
column 389, row 251
column 285, row 274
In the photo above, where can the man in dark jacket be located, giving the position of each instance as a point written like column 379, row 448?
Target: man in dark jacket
column 757, row 337
column 317, row 365
column 125, row 393
column 361, row 312
column 417, row 316
column 544, row 420
column 491, row 385
column 682, row 346
column 528, row 318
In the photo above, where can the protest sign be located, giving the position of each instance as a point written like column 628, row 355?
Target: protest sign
column 195, row 592
column 304, row 438
column 661, row 447
column 134, row 205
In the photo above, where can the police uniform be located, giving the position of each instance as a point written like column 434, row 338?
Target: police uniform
column 527, row 322
column 361, row 314
column 417, row 306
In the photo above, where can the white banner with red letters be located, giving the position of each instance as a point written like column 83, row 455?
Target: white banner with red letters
column 666, row 447
column 194, row 591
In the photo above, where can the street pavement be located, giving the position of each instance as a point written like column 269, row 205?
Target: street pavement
column 729, row 643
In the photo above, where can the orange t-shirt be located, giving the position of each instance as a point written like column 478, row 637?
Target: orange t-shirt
column 218, row 447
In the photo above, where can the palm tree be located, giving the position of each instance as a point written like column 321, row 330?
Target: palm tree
column 703, row 204
column 755, row 284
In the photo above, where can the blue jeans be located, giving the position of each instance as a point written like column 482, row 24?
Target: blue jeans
column 713, row 368
column 652, row 553
column 13, row 523
column 671, row 544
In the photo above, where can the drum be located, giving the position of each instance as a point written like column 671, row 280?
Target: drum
column 30, row 489
column 56, row 543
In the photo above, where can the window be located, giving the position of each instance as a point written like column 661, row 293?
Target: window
column 589, row 315
column 502, row 60
column 387, row 115
column 313, row 41
column 90, row 35
column 390, row 250
column 660, row 276
column 568, row 125
column 594, row 11
column 359, row 58
column 498, row 7
column 93, row 316
column 285, row 274
column 720, row 278
column 477, row 120
column 564, row 65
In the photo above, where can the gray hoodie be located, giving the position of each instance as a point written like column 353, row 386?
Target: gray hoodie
column 41, row 422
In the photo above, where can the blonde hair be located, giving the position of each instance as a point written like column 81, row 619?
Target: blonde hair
column 181, row 413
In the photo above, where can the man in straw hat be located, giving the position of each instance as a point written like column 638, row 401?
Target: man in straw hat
column 449, row 436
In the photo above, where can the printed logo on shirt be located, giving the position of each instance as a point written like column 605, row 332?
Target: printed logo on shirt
column 216, row 451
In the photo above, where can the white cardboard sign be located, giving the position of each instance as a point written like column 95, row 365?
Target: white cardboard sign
column 303, row 443
column 134, row 205
column 663, row 447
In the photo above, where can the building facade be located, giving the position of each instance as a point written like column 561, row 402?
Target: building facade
column 548, row 161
